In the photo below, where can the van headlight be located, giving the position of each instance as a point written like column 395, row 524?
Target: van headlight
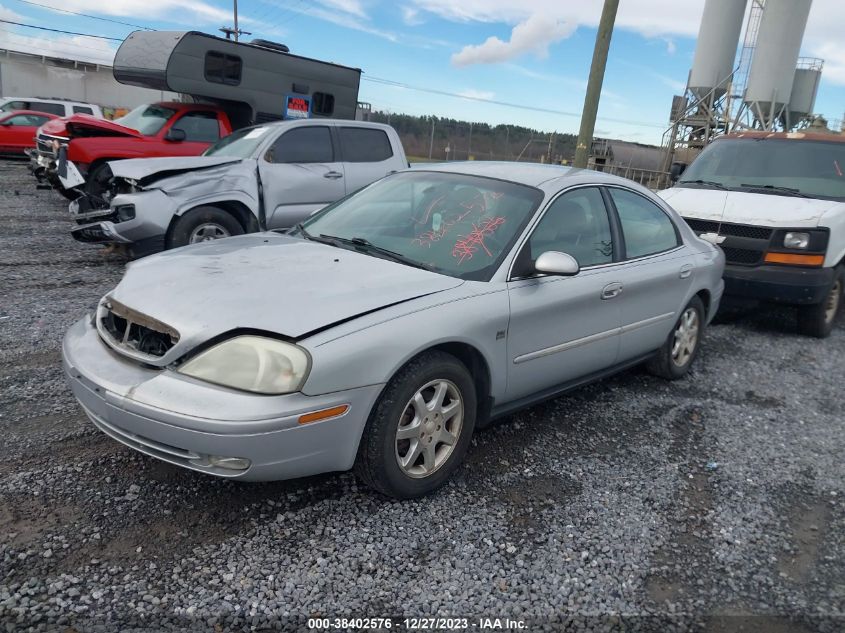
column 252, row 363
column 796, row 240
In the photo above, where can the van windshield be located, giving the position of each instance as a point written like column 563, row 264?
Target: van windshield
column 240, row 144
column 146, row 119
column 778, row 166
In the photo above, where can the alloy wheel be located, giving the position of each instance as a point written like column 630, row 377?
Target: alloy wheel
column 429, row 428
column 686, row 337
column 206, row 232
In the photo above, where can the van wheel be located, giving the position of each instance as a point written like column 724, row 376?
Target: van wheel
column 202, row 224
column 420, row 429
column 680, row 350
column 817, row 320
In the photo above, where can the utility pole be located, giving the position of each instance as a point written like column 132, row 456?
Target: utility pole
column 431, row 141
column 234, row 31
column 591, row 99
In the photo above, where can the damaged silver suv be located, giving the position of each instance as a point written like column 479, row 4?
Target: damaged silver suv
column 262, row 177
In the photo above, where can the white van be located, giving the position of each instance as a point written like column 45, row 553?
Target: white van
column 59, row 107
column 775, row 203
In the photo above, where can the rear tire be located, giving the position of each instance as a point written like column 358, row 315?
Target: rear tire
column 202, row 224
column 818, row 320
column 414, row 438
column 680, row 350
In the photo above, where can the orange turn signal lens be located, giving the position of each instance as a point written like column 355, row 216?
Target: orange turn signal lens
column 795, row 259
column 324, row 414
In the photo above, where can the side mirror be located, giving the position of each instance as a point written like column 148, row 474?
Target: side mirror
column 6, row 123
column 557, row 263
column 175, row 134
column 676, row 170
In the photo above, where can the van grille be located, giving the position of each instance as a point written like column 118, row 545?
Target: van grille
column 726, row 228
column 133, row 333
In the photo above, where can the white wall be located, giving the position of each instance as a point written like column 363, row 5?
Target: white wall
column 24, row 75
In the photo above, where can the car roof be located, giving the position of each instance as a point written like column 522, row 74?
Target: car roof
column 794, row 136
column 531, row 174
column 48, row 100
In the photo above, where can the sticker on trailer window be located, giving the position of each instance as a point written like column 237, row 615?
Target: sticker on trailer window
column 297, row 107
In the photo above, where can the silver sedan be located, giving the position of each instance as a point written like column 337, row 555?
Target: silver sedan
column 382, row 332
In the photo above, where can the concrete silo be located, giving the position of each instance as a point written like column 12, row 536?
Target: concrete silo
column 772, row 71
column 805, row 86
column 715, row 49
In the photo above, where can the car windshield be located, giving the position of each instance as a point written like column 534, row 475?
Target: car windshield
column 147, row 119
column 458, row 225
column 777, row 166
column 240, row 144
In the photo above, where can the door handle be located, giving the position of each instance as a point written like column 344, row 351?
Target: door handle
column 686, row 271
column 334, row 175
column 611, row 290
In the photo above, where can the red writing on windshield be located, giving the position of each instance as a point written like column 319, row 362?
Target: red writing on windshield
column 466, row 247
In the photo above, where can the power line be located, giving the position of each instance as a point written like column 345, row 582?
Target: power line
column 85, row 15
column 399, row 84
column 44, row 28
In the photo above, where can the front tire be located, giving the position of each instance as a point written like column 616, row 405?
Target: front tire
column 680, row 350
column 202, row 224
column 817, row 320
column 420, row 429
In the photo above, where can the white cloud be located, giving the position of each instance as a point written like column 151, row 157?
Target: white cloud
column 411, row 16
column 177, row 11
column 650, row 18
column 78, row 48
column 534, row 35
column 8, row 14
column 477, row 94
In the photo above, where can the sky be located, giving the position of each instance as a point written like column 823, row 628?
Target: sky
column 530, row 56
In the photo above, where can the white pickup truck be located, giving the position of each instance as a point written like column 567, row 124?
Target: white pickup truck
column 267, row 176
column 775, row 203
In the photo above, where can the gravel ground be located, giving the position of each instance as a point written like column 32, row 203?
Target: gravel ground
column 710, row 504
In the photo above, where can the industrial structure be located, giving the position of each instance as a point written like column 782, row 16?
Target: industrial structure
column 763, row 86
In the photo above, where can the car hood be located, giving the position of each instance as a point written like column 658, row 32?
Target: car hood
column 269, row 282
column 146, row 170
column 741, row 207
column 87, row 125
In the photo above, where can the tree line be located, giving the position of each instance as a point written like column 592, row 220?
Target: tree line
column 478, row 141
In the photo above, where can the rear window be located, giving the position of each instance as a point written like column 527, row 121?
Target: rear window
column 83, row 110
column 303, row 145
column 52, row 108
column 362, row 145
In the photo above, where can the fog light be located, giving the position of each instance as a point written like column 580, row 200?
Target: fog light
column 218, row 461
column 125, row 212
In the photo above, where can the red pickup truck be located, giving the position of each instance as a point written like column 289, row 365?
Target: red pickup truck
column 72, row 153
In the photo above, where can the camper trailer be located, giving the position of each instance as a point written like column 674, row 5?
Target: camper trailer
column 230, row 85
column 253, row 82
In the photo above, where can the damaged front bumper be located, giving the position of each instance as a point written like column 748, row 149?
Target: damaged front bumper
column 139, row 220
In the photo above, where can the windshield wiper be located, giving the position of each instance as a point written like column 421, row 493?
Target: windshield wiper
column 709, row 183
column 365, row 246
column 789, row 191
